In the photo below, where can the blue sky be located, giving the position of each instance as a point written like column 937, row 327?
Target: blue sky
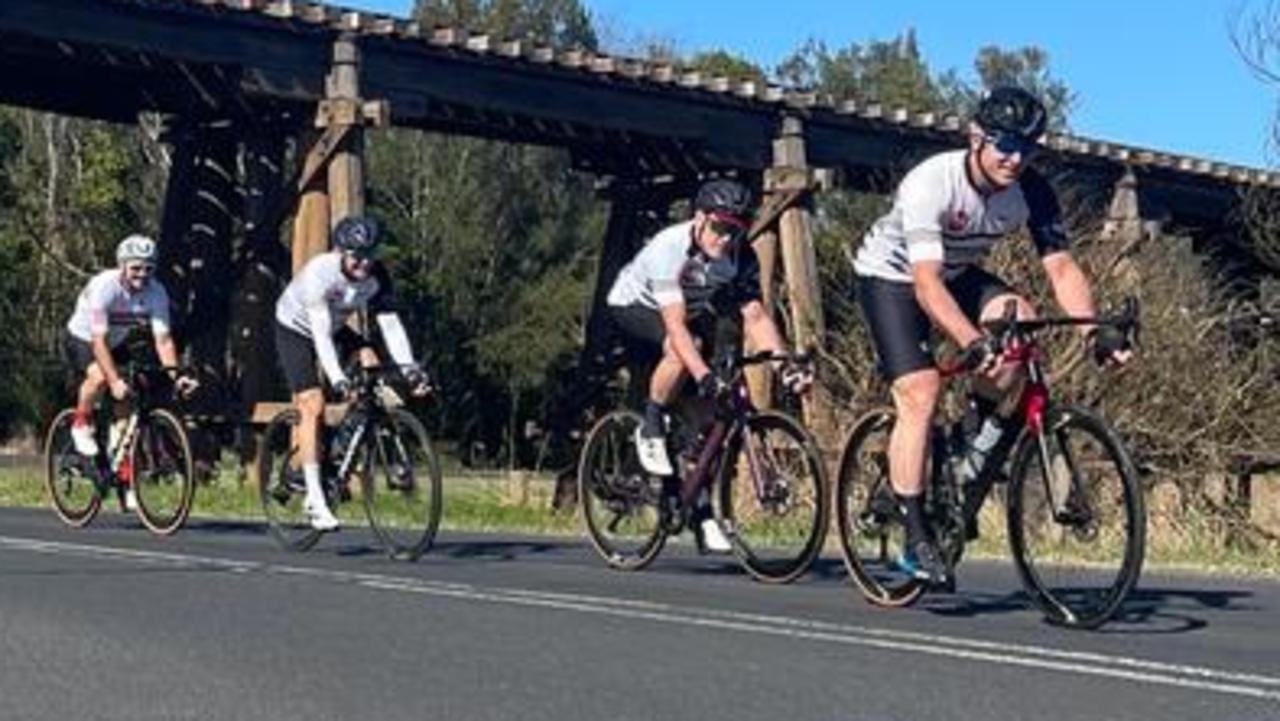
column 1161, row 74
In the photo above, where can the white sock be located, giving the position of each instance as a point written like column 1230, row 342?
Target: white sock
column 311, row 474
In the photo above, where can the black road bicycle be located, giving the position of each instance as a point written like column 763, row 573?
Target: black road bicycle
column 147, row 451
column 384, row 449
column 1075, row 515
column 769, row 494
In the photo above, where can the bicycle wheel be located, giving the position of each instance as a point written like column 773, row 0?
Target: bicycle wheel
column 772, row 497
column 281, row 487
column 1077, row 525
column 872, row 535
column 400, row 480
column 71, row 478
column 621, row 503
column 163, row 477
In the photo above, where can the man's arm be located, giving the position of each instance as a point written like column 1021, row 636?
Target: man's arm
column 673, row 321
column 167, row 350
column 102, row 355
column 940, row 305
column 395, row 338
column 322, row 337
column 1070, row 286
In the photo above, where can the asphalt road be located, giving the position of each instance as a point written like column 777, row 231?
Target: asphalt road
column 216, row 623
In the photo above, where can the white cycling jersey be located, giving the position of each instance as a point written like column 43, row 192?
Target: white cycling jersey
column 669, row 270
column 939, row 215
column 321, row 298
column 106, row 307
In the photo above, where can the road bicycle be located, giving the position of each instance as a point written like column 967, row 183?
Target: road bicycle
column 379, row 448
column 763, row 471
column 146, row 452
column 1075, row 517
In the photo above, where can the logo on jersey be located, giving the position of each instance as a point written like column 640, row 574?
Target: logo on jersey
column 958, row 221
column 693, row 275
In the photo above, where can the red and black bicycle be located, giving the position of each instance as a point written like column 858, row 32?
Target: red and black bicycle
column 1075, row 518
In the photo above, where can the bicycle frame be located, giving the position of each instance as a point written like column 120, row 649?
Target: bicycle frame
column 731, row 416
column 369, row 408
column 1020, row 349
column 108, row 462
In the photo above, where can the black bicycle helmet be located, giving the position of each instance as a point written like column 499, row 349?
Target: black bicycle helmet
column 356, row 234
column 724, row 196
column 1010, row 109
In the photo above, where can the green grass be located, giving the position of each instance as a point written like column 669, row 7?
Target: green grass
column 498, row 505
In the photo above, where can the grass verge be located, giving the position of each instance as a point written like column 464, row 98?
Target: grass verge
column 522, row 505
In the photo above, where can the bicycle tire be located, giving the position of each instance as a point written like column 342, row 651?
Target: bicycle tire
column 67, row 476
column 148, row 459
column 623, row 490
column 863, row 475
column 764, row 533
column 408, row 542
column 1074, row 606
column 281, row 500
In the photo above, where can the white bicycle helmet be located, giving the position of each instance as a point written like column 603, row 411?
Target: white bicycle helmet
column 136, row 247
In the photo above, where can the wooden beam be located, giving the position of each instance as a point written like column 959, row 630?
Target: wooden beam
column 800, row 267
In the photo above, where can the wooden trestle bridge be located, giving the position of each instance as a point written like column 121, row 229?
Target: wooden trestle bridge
column 239, row 82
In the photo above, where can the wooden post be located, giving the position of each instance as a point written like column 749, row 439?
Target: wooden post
column 1124, row 221
column 760, row 377
column 800, row 266
column 332, row 182
column 346, row 167
column 311, row 224
column 1125, row 225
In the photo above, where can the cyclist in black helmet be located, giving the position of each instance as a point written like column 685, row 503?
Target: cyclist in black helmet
column 672, row 292
column 311, row 317
column 920, row 266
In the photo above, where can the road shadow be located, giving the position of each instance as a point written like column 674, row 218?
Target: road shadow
column 1147, row 611
column 497, row 550
column 217, row 526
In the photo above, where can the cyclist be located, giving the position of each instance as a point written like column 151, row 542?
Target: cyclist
column 920, row 265
column 111, row 305
column 311, row 317
column 667, row 301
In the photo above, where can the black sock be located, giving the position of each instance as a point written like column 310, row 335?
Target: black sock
column 914, row 517
column 654, row 420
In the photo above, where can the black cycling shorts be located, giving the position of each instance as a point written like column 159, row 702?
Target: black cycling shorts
column 899, row 327
column 78, row 354
column 644, row 332
column 297, row 354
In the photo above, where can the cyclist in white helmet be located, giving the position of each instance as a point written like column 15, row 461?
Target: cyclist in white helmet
column 111, row 305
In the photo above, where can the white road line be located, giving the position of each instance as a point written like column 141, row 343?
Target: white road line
column 1190, row 677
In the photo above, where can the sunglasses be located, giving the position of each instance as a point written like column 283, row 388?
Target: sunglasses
column 359, row 258
column 1008, row 144
column 726, row 227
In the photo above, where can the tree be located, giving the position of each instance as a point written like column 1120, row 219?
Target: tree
column 891, row 72
column 563, row 23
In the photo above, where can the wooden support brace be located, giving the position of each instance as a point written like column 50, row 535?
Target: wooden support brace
column 321, row 152
column 775, row 205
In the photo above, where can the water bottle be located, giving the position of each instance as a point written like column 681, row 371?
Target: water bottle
column 974, row 457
